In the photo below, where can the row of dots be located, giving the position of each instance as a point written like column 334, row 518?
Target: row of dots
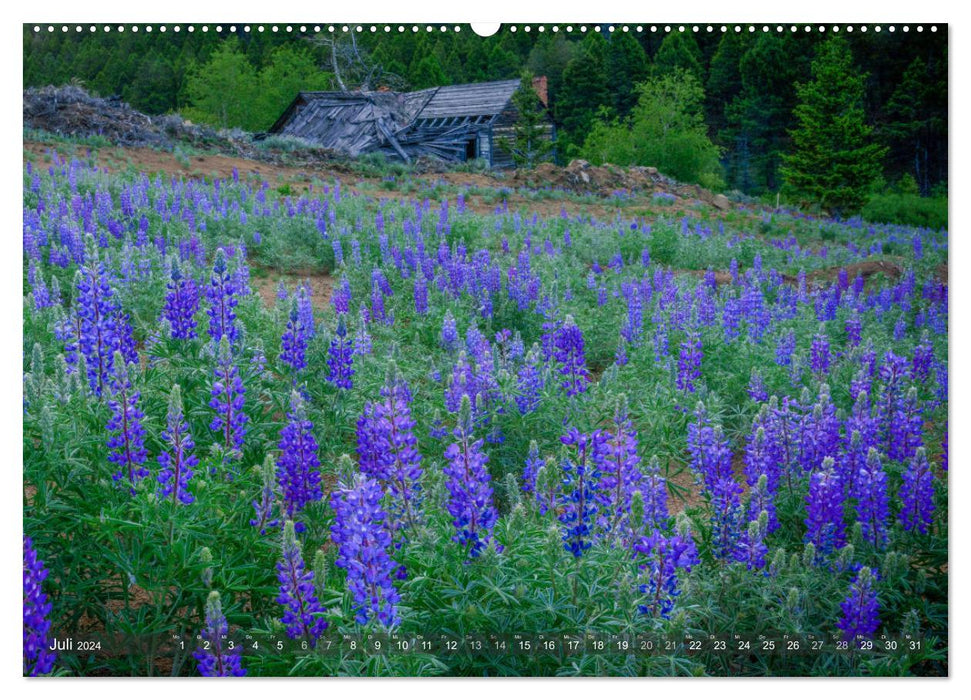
column 514, row 28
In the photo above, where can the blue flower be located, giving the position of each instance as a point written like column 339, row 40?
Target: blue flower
column 470, row 493
column 302, row 611
column 362, row 536
column 127, row 443
column 222, row 296
column 38, row 658
column 212, row 657
column 181, row 304
column 579, row 499
column 177, row 462
column 861, row 609
column 340, row 358
column 298, row 467
column 228, row 400
column 917, row 494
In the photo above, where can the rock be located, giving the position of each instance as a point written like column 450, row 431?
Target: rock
column 720, row 201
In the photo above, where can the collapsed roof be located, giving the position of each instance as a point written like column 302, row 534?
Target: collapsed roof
column 436, row 121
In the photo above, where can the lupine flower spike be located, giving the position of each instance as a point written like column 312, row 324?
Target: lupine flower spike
column 213, row 657
column 38, row 658
column 303, row 613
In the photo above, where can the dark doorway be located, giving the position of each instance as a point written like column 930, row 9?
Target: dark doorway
column 471, row 150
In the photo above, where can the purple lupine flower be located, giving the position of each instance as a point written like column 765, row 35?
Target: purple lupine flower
column 854, row 330
column 127, row 442
column 894, row 373
column 533, row 464
column 213, row 658
column 450, row 334
column 377, row 306
column 664, row 555
column 38, row 658
column 388, row 449
column 900, row 329
column 438, row 429
column 760, row 462
column 852, row 460
column 97, row 318
column 620, row 354
column 529, row 383
column 421, row 295
column 819, row 356
column 756, row 387
column 619, row 466
column 228, row 400
column 294, row 340
column 726, row 516
column 861, row 609
column 861, row 420
column 581, row 484
column 305, row 309
column 689, row 363
column 341, row 296
column 470, row 493
column 872, row 508
column 730, row 318
column 340, row 357
column 222, row 296
column 362, row 339
column 785, row 347
column 462, row 382
column 362, row 536
column 711, row 456
column 751, row 548
column 264, row 506
column 42, row 295
column 181, row 304
column 906, row 428
column 861, row 384
column 819, row 431
column 654, row 493
column 302, row 615
column 298, row 467
column 917, row 494
column 923, row 359
column 177, row 462
column 568, row 352
column 824, row 510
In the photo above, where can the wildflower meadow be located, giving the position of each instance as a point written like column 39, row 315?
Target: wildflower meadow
column 360, row 431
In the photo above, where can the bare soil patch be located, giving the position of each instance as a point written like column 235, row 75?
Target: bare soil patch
column 321, row 287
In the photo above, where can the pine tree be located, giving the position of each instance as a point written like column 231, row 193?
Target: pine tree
column 759, row 118
column 834, row 162
column 530, row 143
column 426, row 72
column 584, row 89
column 627, row 66
column 679, row 50
column 503, row 63
column 916, row 120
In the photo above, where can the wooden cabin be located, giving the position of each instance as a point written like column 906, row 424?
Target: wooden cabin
column 453, row 122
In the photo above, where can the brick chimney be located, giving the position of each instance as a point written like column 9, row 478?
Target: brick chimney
column 542, row 89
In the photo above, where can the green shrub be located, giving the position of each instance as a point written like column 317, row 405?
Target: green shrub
column 907, row 209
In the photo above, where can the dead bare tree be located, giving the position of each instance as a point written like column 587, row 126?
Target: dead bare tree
column 353, row 68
